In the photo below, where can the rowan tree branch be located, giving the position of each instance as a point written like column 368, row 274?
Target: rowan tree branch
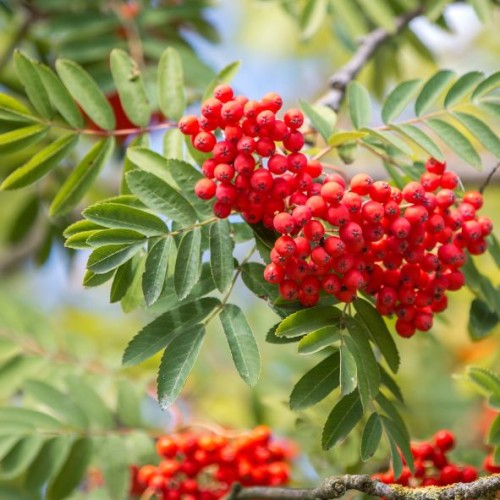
column 368, row 46
column 336, row 487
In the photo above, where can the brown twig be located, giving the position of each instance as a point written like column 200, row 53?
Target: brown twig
column 336, row 487
column 487, row 181
column 368, row 46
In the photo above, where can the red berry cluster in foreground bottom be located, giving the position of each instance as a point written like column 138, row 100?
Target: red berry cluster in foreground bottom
column 432, row 466
column 204, row 465
column 405, row 247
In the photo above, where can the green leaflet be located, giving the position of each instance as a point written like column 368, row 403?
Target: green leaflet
column 40, row 164
column 312, row 17
column 108, row 257
column 308, row 320
column 319, row 339
column 33, row 85
column 240, row 338
column 21, row 137
column 159, row 333
column 155, row 271
column 117, row 216
column 348, row 370
column 420, row 138
column 462, row 87
column 398, row 99
column 113, row 461
column 58, row 402
column 171, row 95
column 221, row 254
column 432, row 90
column 86, row 93
column 72, row 471
column 342, row 420
column 456, row 141
column 372, row 434
column 176, row 364
column 188, row 264
column 481, row 132
column 83, row 176
column 359, row 105
column 159, row 195
column 60, row 97
column 21, row 456
column 322, row 118
column 130, row 86
column 317, row 383
column 378, row 332
column 114, row 237
column 379, row 12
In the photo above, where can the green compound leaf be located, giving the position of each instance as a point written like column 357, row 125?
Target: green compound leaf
column 242, row 343
column 159, row 333
column 342, row 420
column 432, row 90
column 130, row 86
column 117, row 216
column 316, row 384
column 177, row 362
column 83, row 176
column 156, row 269
column 171, row 95
column 86, row 93
column 41, row 164
column 28, row 74
column 21, row 138
column 456, row 141
column 60, row 97
column 188, row 264
column 358, row 100
column 398, row 99
column 221, row 254
column 308, row 320
column 378, row 332
column 371, row 437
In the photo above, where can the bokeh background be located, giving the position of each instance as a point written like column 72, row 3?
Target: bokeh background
column 45, row 309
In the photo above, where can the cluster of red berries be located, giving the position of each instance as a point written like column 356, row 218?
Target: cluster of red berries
column 432, row 465
column 204, row 465
column 405, row 247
